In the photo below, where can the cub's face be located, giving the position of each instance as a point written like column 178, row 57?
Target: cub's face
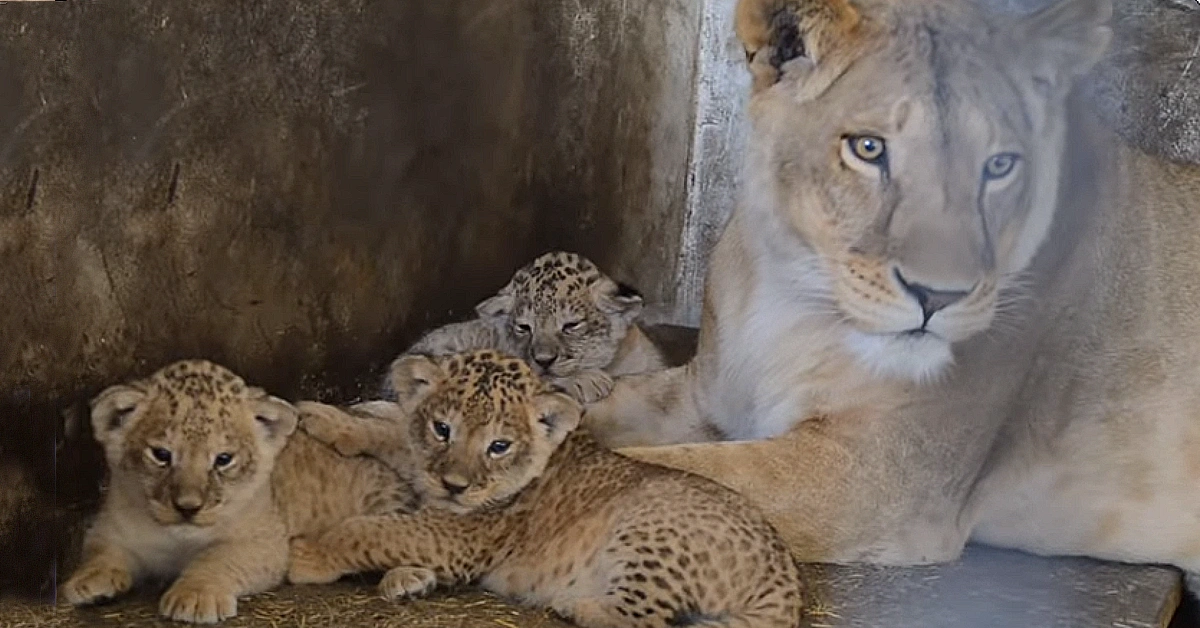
column 482, row 426
column 562, row 315
column 192, row 441
column 905, row 159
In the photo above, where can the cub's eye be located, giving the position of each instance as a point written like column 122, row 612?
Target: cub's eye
column 1000, row 166
column 441, row 430
column 572, row 327
column 868, row 148
column 160, row 455
column 498, row 448
column 222, row 460
column 521, row 329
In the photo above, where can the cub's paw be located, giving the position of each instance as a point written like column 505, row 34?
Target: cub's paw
column 95, row 583
column 587, row 386
column 197, row 603
column 307, row 564
column 406, row 582
column 328, row 425
column 386, row 410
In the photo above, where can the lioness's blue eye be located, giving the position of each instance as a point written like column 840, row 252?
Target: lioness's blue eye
column 499, row 447
column 522, row 329
column 1000, row 165
column 868, row 148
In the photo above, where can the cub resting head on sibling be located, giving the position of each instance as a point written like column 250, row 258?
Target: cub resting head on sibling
column 572, row 323
column 515, row 498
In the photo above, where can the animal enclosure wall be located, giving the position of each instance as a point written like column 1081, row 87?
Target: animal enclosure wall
column 299, row 188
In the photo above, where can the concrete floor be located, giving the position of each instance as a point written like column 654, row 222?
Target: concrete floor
column 340, row 605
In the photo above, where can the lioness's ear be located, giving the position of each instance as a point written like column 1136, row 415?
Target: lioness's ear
column 275, row 416
column 558, row 414
column 112, row 408
column 774, row 32
column 412, row 378
column 498, row 305
column 1065, row 40
column 617, row 298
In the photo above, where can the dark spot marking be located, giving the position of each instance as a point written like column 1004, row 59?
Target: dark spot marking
column 33, row 188
column 785, row 41
column 173, row 189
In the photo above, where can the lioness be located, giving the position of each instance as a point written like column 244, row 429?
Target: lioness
column 948, row 306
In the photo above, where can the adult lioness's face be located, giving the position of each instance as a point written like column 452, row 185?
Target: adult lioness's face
column 906, row 154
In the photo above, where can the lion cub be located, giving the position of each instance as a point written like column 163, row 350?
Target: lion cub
column 207, row 482
column 515, row 498
column 572, row 323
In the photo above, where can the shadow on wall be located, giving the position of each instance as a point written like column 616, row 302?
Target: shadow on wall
column 297, row 189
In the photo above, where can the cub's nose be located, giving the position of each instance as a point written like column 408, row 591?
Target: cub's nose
column 187, row 512
column 545, row 361
column 454, row 485
column 187, row 504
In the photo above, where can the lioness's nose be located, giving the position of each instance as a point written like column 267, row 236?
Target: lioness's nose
column 931, row 301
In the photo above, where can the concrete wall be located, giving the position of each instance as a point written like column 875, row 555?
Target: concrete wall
column 299, row 188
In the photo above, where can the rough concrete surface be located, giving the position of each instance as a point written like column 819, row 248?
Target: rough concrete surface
column 986, row 588
column 1150, row 88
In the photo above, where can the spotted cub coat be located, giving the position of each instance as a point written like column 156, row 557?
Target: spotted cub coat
column 207, row 482
column 517, row 499
column 572, row 323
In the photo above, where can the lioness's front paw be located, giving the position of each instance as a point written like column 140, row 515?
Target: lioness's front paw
column 320, row 422
column 406, row 582
column 588, row 386
column 197, row 603
column 308, row 564
column 94, row 583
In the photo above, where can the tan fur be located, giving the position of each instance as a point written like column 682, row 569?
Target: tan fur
column 566, row 318
column 240, row 511
column 1059, row 410
column 555, row 519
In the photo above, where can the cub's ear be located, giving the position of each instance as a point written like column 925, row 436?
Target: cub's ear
column 558, row 414
column 412, row 378
column 1065, row 40
column 775, row 32
column 112, row 410
column 276, row 417
column 617, row 298
column 497, row 306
